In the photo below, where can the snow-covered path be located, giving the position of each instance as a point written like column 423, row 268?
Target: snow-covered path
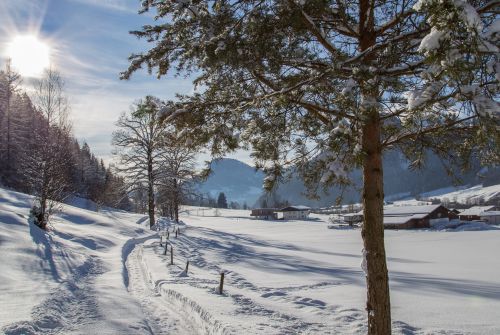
column 70, row 280
column 242, row 309
column 164, row 314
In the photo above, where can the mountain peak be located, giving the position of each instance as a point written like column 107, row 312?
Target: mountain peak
column 239, row 181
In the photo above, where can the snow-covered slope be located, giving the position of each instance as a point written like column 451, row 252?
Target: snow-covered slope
column 465, row 194
column 71, row 279
column 106, row 273
column 460, row 194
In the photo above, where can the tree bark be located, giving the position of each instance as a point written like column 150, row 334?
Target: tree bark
column 378, row 303
column 151, row 195
column 176, row 200
column 377, row 279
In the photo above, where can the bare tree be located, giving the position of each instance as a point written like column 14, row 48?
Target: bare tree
column 47, row 162
column 139, row 143
column 178, row 164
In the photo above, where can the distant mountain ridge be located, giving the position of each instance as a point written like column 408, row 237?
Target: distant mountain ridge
column 239, row 181
column 242, row 183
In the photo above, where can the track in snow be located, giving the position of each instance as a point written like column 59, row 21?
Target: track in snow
column 166, row 312
column 72, row 304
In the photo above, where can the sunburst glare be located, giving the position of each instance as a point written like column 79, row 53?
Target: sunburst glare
column 29, row 55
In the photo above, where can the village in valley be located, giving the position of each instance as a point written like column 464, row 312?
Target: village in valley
column 435, row 211
column 395, row 217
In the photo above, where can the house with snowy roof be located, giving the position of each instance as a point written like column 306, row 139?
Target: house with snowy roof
column 406, row 217
column 352, row 218
column 491, row 217
column 474, row 213
column 294, row 212
column 286, row 213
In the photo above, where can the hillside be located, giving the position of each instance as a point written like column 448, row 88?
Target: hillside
column 464, row 195
column 239, row 181
column 398, row 179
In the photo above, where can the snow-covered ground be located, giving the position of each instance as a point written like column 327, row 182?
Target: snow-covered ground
column 105, row 273
column 71, row 280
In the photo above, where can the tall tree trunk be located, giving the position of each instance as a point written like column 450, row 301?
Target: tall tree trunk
column 176, row 200
column 43, row 211
column 7, row 110
column 377, row 279
column 378, row 303
column 151, row 195
column 8, row 126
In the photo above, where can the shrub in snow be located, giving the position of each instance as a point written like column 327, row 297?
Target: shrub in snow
column 39, row 217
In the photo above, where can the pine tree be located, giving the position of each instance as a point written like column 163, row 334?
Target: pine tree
column 222, row 201
column 11, row 81
column 328, row 86
column 35, row 130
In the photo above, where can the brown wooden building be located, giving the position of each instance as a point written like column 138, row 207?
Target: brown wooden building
column 474, row 213
column 408, row 217
column 265, row 213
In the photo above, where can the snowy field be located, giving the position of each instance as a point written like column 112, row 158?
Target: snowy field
column 105, row 273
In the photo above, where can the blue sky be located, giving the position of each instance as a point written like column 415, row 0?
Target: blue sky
column 90, row 44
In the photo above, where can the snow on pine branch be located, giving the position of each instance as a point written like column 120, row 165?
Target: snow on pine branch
column 419, row 97
column 432, row 41
column 349, row 85
column 167, row 114
column 466, row 13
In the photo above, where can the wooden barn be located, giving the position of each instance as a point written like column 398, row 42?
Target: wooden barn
column 265, row 213
column 491, row 217
column 408, row 217
column 474, row 213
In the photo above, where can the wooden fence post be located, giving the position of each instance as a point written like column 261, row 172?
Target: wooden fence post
column 187, row 266
column 176, row 232
column 221, row 284
column 165, row 251
column 171, row 255
column 161, row 245
column 168, row 234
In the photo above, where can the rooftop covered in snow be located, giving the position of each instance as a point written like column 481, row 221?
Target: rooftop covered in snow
column 409, row 210
column 476, row 210
column 294, row 208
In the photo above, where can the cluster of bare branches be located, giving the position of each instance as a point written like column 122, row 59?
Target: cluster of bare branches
column 156, row 161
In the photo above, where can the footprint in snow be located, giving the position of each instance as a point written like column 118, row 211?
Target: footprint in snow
column 273, row 294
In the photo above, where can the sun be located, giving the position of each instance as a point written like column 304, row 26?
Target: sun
column 29, row 55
